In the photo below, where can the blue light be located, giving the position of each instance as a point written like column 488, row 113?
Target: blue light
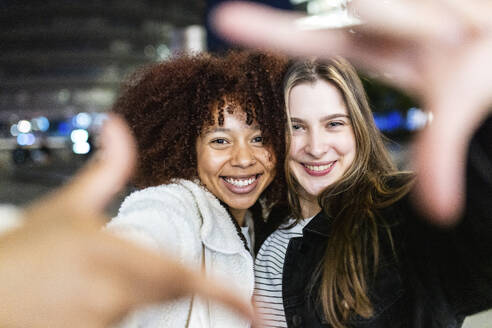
column 63, row 129
column 416, row 119
column 389, row 122
column 14, row 131
column 42, row 123
column 22, row 139
column 82, row 120
column 380, row 121
column 26, row 139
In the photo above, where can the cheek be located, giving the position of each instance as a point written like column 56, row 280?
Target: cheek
column 295, row 146
column 348, row 150
column 201, row 171
column 351, row 155
column 268, row 159
column 295, row 170
column 346, row 144
column 206, row 164
column 352, row 147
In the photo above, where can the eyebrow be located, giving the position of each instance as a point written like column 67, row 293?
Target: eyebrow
column 221, row 129
column 324, row 118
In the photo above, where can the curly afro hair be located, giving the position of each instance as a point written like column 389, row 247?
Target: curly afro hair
column 168, row 104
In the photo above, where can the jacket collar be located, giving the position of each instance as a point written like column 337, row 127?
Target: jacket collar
column 217, row 231
column 320, row 225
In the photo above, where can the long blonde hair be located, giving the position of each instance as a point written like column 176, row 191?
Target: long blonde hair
column 352, row 202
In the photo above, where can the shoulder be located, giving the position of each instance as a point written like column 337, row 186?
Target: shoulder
column 165, row 217
column 164, row 195
column 176, row 200
column 182, row 196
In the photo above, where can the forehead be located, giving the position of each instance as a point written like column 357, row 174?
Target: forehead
column 229, row 117
column 316, row 99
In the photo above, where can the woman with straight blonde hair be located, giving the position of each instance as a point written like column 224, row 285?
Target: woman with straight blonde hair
column 354, row 251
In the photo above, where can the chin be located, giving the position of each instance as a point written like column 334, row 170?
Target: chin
column 315, row 192
column 240, row 205
column 243, row 206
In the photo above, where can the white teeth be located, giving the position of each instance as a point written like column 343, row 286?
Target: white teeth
column 240, row 183
column 319, row 167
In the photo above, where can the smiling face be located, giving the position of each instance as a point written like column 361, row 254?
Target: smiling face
column 322, row 144
column 233, row 163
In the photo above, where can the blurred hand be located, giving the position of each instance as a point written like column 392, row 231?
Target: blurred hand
column 437, row 50
column 61, row 270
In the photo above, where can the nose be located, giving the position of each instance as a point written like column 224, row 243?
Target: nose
column 316, row 145
column 243, row 156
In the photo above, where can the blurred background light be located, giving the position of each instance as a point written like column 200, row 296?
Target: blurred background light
column 14, row 131
column 389, row 122
column 79, row 136
column 82, row 120
column 24, row 126
column 99, row 119
column 63, row 129
column 163, row 52
column 81, row 148
column 41, row 123
column 416, row 119
column 26, row 139
column 194, row 39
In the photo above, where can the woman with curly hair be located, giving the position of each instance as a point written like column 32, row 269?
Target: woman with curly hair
column 210, row 135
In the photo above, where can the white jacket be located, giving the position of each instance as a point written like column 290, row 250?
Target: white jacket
column 186, row 220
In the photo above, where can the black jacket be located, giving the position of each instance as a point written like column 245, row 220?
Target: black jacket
column 438, row 276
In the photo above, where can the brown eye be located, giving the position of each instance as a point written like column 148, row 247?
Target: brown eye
column 334, row 124
column 258, row 139
column 219, row 141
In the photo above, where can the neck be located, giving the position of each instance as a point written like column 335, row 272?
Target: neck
column 238, row 215
column 309, row 206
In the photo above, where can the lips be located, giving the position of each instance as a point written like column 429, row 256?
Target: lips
column 318, row 169
column 241, row 185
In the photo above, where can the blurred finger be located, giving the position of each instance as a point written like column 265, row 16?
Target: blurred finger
column 264, row 27
column 441, row 149
column 409, row 20
column 209, row 288
column 94, row 186
column 440, row 163
column 475, row 14
column 152, row 277
column 380, row 52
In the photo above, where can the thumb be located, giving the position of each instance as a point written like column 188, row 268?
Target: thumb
column 439, row 189
column 211, row 289
column 440, row 161
column 101, row 179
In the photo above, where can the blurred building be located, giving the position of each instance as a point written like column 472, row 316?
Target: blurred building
column 65, row 57
column 61, row 64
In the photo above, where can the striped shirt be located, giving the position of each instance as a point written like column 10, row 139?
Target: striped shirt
column 269, row 265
